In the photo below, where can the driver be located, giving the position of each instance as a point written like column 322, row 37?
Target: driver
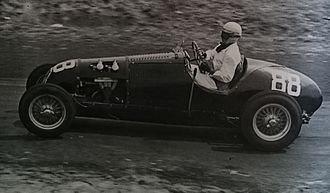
column 226, row 56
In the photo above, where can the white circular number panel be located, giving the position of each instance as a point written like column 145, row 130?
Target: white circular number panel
column 286, row 82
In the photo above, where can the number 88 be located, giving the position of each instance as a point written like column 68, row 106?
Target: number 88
column 286, row 82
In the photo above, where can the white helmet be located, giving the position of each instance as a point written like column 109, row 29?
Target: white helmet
column 233, row 29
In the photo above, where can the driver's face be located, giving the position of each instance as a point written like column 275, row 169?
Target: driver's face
column 224, row 37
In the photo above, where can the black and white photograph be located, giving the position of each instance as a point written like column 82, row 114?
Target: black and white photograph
column 164, row 96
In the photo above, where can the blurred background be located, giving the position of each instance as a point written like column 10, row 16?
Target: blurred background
column 289, row 32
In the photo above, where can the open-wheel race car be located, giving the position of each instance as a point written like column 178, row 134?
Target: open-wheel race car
column 269, row 102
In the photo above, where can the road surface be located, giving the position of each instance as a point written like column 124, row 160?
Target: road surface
column 112, row 156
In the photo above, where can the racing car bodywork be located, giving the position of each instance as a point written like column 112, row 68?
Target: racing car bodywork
column 269, row 101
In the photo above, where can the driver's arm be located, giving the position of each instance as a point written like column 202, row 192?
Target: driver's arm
column 209, row 54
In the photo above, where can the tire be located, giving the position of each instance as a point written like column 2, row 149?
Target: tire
column 37, row 75
column 46, row 110
column 271, row 121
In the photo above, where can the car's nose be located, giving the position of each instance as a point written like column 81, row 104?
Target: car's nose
column 310, row 98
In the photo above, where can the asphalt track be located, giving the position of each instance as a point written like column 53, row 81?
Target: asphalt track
column 111, row 156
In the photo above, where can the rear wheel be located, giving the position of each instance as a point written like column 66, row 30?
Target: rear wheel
column 271, row 121
column 37, row 75
column 46, row 110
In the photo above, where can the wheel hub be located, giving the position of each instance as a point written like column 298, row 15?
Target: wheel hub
column 272, row 122
column 47, row 109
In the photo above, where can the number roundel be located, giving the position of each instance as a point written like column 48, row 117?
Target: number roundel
column 278, row 82
column 294, row 87
column 286, row 82
column 64, row 66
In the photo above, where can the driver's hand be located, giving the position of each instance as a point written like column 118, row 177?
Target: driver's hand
column 202, row 54
column 204, row 67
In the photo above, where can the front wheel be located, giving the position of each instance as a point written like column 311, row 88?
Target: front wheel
column 46, row 110
column 271, row 121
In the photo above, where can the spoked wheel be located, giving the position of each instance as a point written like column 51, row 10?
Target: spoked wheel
column 46, row 110
column 271, row 121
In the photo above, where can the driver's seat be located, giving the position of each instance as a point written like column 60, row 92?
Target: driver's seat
column 239, row 72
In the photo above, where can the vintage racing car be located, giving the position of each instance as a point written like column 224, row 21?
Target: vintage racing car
column 269, row 102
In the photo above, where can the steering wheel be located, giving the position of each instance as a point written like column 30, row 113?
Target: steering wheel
column 199, row 57
column 197, row 52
